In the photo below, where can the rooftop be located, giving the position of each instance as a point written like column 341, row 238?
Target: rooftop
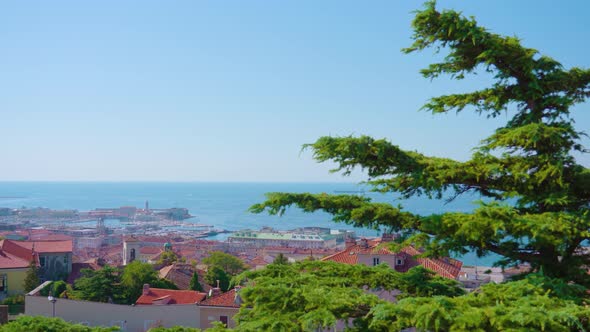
column 444, row 267
column 173, row 296
column 227, row 299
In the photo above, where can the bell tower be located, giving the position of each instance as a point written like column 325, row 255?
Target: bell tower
column 130, row 249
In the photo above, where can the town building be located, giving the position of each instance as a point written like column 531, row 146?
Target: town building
column 160, row 296
column 261, row 239
column 155, row 308
column 54, row 258
column 375, row 252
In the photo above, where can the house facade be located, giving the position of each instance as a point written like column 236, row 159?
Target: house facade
column 54, row 258
column 156, row 307
column 375, row 252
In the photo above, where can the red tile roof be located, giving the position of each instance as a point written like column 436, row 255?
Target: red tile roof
column 50, row 237
column 176, row 296
column 43, row 247
column 444, row 267
column 10, row 261
column 227, row 299
column 179, row 274
column 150, row 250
column 13, row 248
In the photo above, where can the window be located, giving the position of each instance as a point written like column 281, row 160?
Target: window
column 132, row 255
column 399, row 262
column 375, row 261
column 3, row 283
column 42, row 261
column 66, row 260
column 223, row 320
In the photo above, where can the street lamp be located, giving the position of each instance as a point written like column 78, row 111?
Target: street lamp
column 52, row 299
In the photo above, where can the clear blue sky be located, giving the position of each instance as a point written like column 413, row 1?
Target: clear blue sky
column 230, row 90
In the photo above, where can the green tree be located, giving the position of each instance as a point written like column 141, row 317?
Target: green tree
column 32, row 279
column 513, row 306
column 99, row 286
column 134, row 276
column 167, row 258
column 313, row 295
column 536, row 207
column 58, row 287
column 280, row 259
column 215, row 274
column 163, row 283
column 44, row 324
column 195, row 284
column 228, row 263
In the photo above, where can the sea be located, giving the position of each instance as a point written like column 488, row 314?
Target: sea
column 222, row 205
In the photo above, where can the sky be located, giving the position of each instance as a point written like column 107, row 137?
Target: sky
column 230, row 90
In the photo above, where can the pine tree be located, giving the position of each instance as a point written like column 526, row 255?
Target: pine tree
column 32, row 279
column 536, row 206
column 195, row 284
column 280, row 259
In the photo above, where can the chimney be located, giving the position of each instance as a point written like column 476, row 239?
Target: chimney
column 349, row 242
column 238, row 298
column 146, row 289
column 216, row 290
column 364, row 243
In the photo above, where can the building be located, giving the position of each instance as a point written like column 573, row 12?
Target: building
column 182, row 308
column 159, row 296
column 220, row 308
column 131, row 248
column 281, row 239
column 181, row 274
column 372, row 253
column 54, row 258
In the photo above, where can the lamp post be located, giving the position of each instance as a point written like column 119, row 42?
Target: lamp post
column 52, row 299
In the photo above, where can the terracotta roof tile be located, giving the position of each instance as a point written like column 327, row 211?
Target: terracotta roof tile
column 227, row 299
column 10, row 261
column 179, row 274
column 47, row 246
column 13, row 248
column 150, row 250
column 444, row 267
column 176, row 296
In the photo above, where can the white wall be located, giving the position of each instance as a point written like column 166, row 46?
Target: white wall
column 132, row 318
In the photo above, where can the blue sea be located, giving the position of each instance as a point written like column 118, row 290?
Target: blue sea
column 222, row 205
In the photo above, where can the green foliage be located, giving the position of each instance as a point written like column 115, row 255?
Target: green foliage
column 112, row 285
column 134, row 276
column 537, row 196
column 513, row 306
column 228, row 263
column 98, row 286
column 216, row 273
column 167, row 258
column 32, row 279
column 46, row 289
column 195, row 284
column 174, row 329
column 14, row 300
column 163, row 283
column 58, row 287
column 43, row 324
column 280, row 259
column 314, row 294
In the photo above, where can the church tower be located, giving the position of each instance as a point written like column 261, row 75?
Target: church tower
column 130, row 250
